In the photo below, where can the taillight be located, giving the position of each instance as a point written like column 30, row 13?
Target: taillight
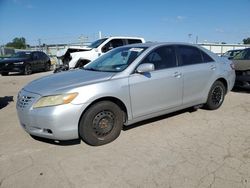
column 232, row 66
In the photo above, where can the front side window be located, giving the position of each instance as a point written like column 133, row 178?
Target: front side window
column 112, row 44
column 35, row 56
column 163, row 57
column 116, row 60
column 189, row 55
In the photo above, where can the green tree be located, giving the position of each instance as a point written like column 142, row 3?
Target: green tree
column 18, row 43
column 246, row 40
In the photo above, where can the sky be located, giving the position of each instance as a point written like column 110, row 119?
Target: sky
column 68, row 21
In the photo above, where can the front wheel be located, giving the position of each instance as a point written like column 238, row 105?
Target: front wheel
column 27, row 69
column 101, row 123
column 216, row 96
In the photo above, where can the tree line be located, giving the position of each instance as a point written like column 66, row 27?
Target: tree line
column 20, row 43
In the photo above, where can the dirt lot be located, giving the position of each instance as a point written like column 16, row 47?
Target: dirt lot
column 184, row 149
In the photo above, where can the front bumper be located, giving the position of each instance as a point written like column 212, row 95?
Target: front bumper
column 11, row 68
column 56, row 122
column 242, row 79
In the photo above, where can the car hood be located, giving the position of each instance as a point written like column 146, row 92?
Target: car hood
column 62, row 52
column 12, row 60
column 64, row 81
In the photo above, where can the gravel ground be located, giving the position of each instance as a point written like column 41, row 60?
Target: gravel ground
column 183, row 149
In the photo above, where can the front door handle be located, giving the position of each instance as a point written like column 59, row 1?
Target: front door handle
column 212, row 67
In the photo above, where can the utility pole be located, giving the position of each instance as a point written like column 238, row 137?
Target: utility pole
column 196, row 40
column 82, row 39
column 39, row 44
column 100, row 34
column 189, row 37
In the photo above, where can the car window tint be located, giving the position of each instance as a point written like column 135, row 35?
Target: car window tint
column 112, row 44
column 247, row 56
column 189, row 55
column 134, row 41
column 163, row 57
column 206, row 57
column 116, row 43
column 35, row 55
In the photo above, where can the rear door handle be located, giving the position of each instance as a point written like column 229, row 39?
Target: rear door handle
column 177, row 74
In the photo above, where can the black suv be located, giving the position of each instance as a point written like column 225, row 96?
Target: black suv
column 25, row 62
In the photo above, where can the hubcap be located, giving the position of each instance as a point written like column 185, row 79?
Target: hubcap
column 27, row 69
column 103, row 123
column 217, row 95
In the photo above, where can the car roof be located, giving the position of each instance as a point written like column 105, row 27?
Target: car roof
column 154, row 44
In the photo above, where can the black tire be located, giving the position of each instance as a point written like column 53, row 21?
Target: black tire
column 5, row 73
column 216, row 96
column 47, row 66
column 27, row 69
column 101, row 123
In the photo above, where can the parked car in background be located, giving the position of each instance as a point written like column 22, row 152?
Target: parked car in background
column 128, row 84
column 242, row 68
column 78, row 57
column 25, row 62
column 231, row 53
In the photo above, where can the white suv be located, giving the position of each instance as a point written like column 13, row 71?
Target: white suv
column 96, row 49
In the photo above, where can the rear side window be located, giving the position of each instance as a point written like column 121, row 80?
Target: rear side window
column 189, row 55
column 134, row 41
column 206, row 58
column 162, row 57
column 247, row 56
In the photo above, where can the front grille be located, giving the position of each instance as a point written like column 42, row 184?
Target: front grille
column 24, row 101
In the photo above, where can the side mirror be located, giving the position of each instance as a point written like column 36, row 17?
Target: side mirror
column 145, row 67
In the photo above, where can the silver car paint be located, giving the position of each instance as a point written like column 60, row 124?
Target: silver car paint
column 144, row 95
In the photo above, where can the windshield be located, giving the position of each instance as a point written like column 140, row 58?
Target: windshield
column 22, row 55
column 116, row 60
column 97, row 43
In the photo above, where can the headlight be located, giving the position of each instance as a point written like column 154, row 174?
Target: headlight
column 19, row 63
column 55, row 100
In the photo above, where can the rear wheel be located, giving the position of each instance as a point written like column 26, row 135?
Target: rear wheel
column 216, row 96
column 47, row 66
column 27, row 69
column 4, row 73
column 101, row 123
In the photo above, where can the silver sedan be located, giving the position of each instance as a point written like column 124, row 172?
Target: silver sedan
column 126, row 85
